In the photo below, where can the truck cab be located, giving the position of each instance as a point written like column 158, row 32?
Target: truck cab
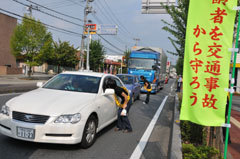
column 147, row 63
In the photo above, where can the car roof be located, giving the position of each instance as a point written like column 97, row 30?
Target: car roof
column 126, row 75
column 88, row 73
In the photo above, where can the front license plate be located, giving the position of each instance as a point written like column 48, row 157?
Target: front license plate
column 25, row 133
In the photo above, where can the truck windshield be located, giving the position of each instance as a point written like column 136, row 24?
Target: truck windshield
column 141, row 63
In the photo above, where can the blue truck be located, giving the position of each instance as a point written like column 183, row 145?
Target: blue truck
column 148, row 62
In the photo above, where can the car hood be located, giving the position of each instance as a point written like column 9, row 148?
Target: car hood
column 129, row 86
column 50, row 102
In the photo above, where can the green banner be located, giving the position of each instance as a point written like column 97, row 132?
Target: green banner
column 209, row 36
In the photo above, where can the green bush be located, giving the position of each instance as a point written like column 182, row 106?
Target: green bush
column 192, row 133
column 198, row 152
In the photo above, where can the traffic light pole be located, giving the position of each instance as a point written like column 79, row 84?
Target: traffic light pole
column 86, row 12
column 89, row 41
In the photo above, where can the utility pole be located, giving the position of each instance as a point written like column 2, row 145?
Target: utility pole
column 87, row 10
column 88, row 44
column 136, row 39
column 30, row 8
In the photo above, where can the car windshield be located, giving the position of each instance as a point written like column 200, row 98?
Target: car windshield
column 76, row 83
column 141, row 63
column 126, row 79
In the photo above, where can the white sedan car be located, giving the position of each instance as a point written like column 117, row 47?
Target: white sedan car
column 70, row 108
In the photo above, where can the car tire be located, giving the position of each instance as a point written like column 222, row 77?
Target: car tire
column 89, row 133
column 133, row 99
column 138, row 97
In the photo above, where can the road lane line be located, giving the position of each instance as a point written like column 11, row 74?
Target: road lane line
column 235, row 122
column 142, row 143
column 9, row 94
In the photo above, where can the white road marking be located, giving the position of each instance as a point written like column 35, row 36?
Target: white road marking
column 235, row 122
column 142, row 143
column 9, row 94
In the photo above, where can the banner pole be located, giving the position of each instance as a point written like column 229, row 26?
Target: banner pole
column 231, row 88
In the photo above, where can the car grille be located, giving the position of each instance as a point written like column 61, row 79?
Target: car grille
column 30, row 118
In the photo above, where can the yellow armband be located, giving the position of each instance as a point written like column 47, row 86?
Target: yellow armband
column 149, row 90
column 118, row 102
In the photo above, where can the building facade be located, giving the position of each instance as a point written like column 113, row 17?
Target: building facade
column 7, row 60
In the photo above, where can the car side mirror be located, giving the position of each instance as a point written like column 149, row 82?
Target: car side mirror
column 39, row 84
column 109, row 92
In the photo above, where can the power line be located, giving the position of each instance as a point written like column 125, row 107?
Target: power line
column 62, row 30
column 116, row 37
column 102, row 12
column 114, row 20
column 112, row 13
column 68, row 31
column 76, row 3
column 113, row 51
column 110, row 43
column 37, row 9
column 59, row 4
column 109, row 18
column 55, row 11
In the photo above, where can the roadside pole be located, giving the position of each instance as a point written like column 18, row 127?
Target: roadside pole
column 231, row 89
column 87, row 10
column 89, row 41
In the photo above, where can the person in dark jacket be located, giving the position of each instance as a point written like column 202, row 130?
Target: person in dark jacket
column 122, row 120
column 147, row 87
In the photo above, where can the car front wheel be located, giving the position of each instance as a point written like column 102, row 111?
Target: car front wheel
column 89, row 134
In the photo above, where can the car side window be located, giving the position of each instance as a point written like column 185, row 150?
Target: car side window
column 118, row 82
column 105, row 84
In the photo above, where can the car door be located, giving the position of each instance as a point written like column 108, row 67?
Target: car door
column 137, row 86
column 106, row 104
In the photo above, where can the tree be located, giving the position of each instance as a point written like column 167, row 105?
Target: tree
column 63, row 55
column 96, row 55
column 31, row 42
column 178, row 28
column 126, row 55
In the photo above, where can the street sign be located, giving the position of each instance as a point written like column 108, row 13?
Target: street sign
column 107, row 29
column 92, row 28
column 155, row 6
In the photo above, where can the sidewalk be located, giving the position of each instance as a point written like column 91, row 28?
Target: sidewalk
column 20, row 83
column 234, row 147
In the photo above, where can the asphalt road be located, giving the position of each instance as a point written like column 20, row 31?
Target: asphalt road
column 109, row 144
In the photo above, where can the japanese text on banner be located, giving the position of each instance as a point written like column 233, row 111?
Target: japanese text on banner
column 209, row 35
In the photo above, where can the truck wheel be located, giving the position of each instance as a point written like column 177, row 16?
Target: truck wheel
column 89, row 133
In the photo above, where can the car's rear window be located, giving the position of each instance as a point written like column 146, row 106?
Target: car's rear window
column 126, row 79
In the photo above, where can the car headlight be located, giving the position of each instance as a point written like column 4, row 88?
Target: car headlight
column 5, row 110
column 70, row 118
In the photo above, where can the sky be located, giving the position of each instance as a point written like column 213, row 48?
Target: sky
column 126, row 14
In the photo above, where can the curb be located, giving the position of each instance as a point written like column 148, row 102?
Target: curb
column 176, row 147
column 17, row 88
